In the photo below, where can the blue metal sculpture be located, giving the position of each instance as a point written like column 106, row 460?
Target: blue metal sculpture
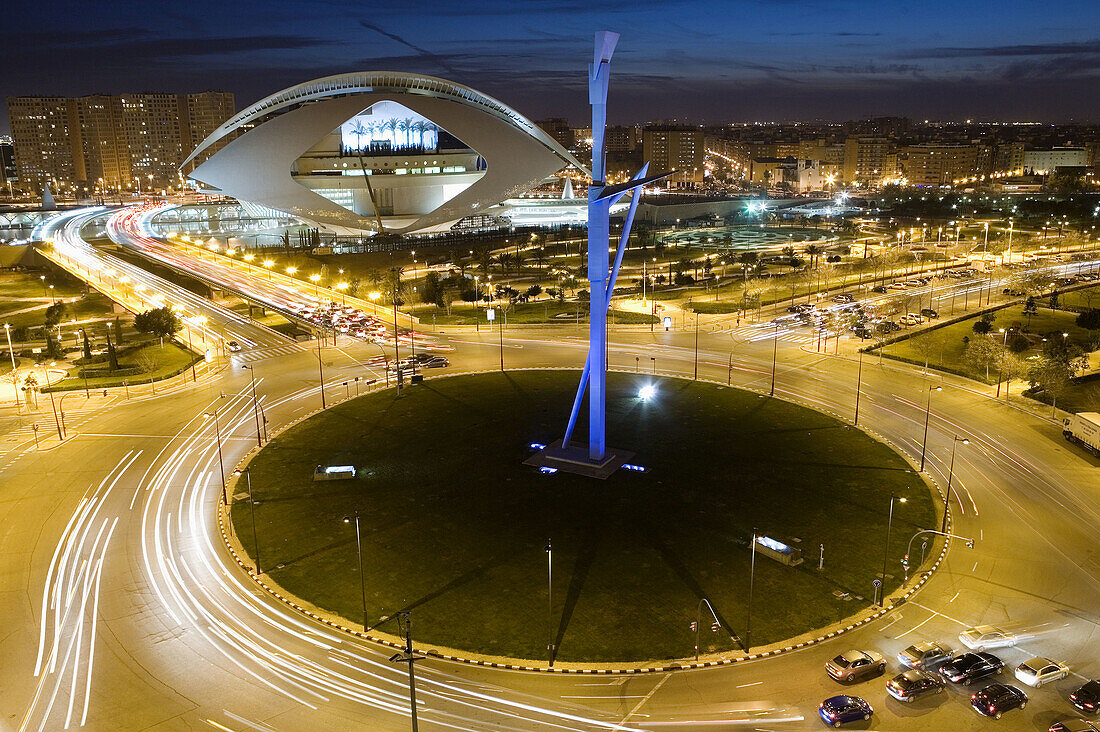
column 601, row 284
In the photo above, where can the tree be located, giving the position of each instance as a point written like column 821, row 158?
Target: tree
column 926, row 346
column 1054, row 300
column 432, row 292
column 53, row 348
column 749, row 261
column 534, row 291
column 1090, row 319
column 984, row 324
column 814, row 250
column 395, row 286
column 1030, row 309
column 159, row 322
column 56, row 313
column 148, row 359
column 1052, row 376
column 982, row 353
column 1018, row 343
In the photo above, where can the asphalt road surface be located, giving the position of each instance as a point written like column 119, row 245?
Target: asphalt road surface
column 123, row 610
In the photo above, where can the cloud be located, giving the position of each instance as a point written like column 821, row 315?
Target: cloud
column 1041, row 49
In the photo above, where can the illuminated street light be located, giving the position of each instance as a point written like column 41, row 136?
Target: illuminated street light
column 647, row 392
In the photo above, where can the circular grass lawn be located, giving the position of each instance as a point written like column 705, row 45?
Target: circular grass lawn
column 455, row 527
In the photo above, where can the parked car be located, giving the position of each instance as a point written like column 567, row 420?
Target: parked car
column 838, row 710
column 1087, row 698
column 436, row 362
column 969, row 667
column 1074, row 725
column 1039, row 670
column 910, row 319
column 984, row 637
column 924, row 655
column 929, row 313
column 913, row 684
column 842, row 298
column 881, row 289
column 856, row 665
column 996, row 699
column 862, row 332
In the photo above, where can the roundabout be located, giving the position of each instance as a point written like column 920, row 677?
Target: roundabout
column 454, row 529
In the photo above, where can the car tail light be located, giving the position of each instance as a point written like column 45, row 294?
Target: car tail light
column 992, row 709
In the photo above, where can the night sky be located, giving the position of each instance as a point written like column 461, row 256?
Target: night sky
column 703, row 60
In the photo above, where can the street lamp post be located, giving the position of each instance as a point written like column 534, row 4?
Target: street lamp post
column 255, row 403
column 321, row 370
column 696, row 377
column 221, row 462
column 1001, row 367
column 60, row 430
column 859, row 379
column 252, row 512
column 886, row 549
column 752, row 579
column 927, row 412
column 410, row 658
column 775, row 350
column 550, row 649
column 359, row 552
column 950, row 476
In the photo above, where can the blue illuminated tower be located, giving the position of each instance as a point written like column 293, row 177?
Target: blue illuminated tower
column 597, row 460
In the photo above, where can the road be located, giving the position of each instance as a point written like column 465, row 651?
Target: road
column 120, row 593
column 137, row 289
column 125, row 611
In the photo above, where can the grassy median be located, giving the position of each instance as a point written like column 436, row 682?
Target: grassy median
column 455, row 527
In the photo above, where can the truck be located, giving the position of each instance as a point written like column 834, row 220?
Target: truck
column 1083, row 429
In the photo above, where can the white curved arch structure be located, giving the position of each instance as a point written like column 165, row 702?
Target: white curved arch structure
column 272, row 134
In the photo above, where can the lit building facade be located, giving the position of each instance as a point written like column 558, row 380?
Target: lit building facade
column 938, row 165
column 1050, row 159
column 675, row 148
column 373, row 151
column 132, row 141
column 867, row 160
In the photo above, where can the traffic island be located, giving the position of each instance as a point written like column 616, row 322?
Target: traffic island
column 495, row 558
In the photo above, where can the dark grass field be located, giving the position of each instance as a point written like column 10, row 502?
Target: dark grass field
column 455, row 527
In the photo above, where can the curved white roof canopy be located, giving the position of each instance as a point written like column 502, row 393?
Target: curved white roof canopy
column 256, row 166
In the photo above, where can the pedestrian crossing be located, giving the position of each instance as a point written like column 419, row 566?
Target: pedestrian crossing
column 758, row 332
column 22, row 428
column 264, row 353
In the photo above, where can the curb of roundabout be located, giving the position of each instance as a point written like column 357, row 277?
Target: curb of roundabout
column 806, row 640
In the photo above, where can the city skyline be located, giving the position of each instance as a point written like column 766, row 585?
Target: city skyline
column 770, row 60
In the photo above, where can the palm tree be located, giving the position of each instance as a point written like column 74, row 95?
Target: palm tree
column 517, row 261
column 395, row 285
column 484, row 257
column 749, row 260
column 813, row 250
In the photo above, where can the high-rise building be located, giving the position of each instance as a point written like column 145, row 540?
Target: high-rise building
column 46, row 137
column 619, row 139
column 8, row 176
column 1050, row 159
column 866, row 159
column 129, row 140
column 675, row 148
column 938, row 165
column 559, row 129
